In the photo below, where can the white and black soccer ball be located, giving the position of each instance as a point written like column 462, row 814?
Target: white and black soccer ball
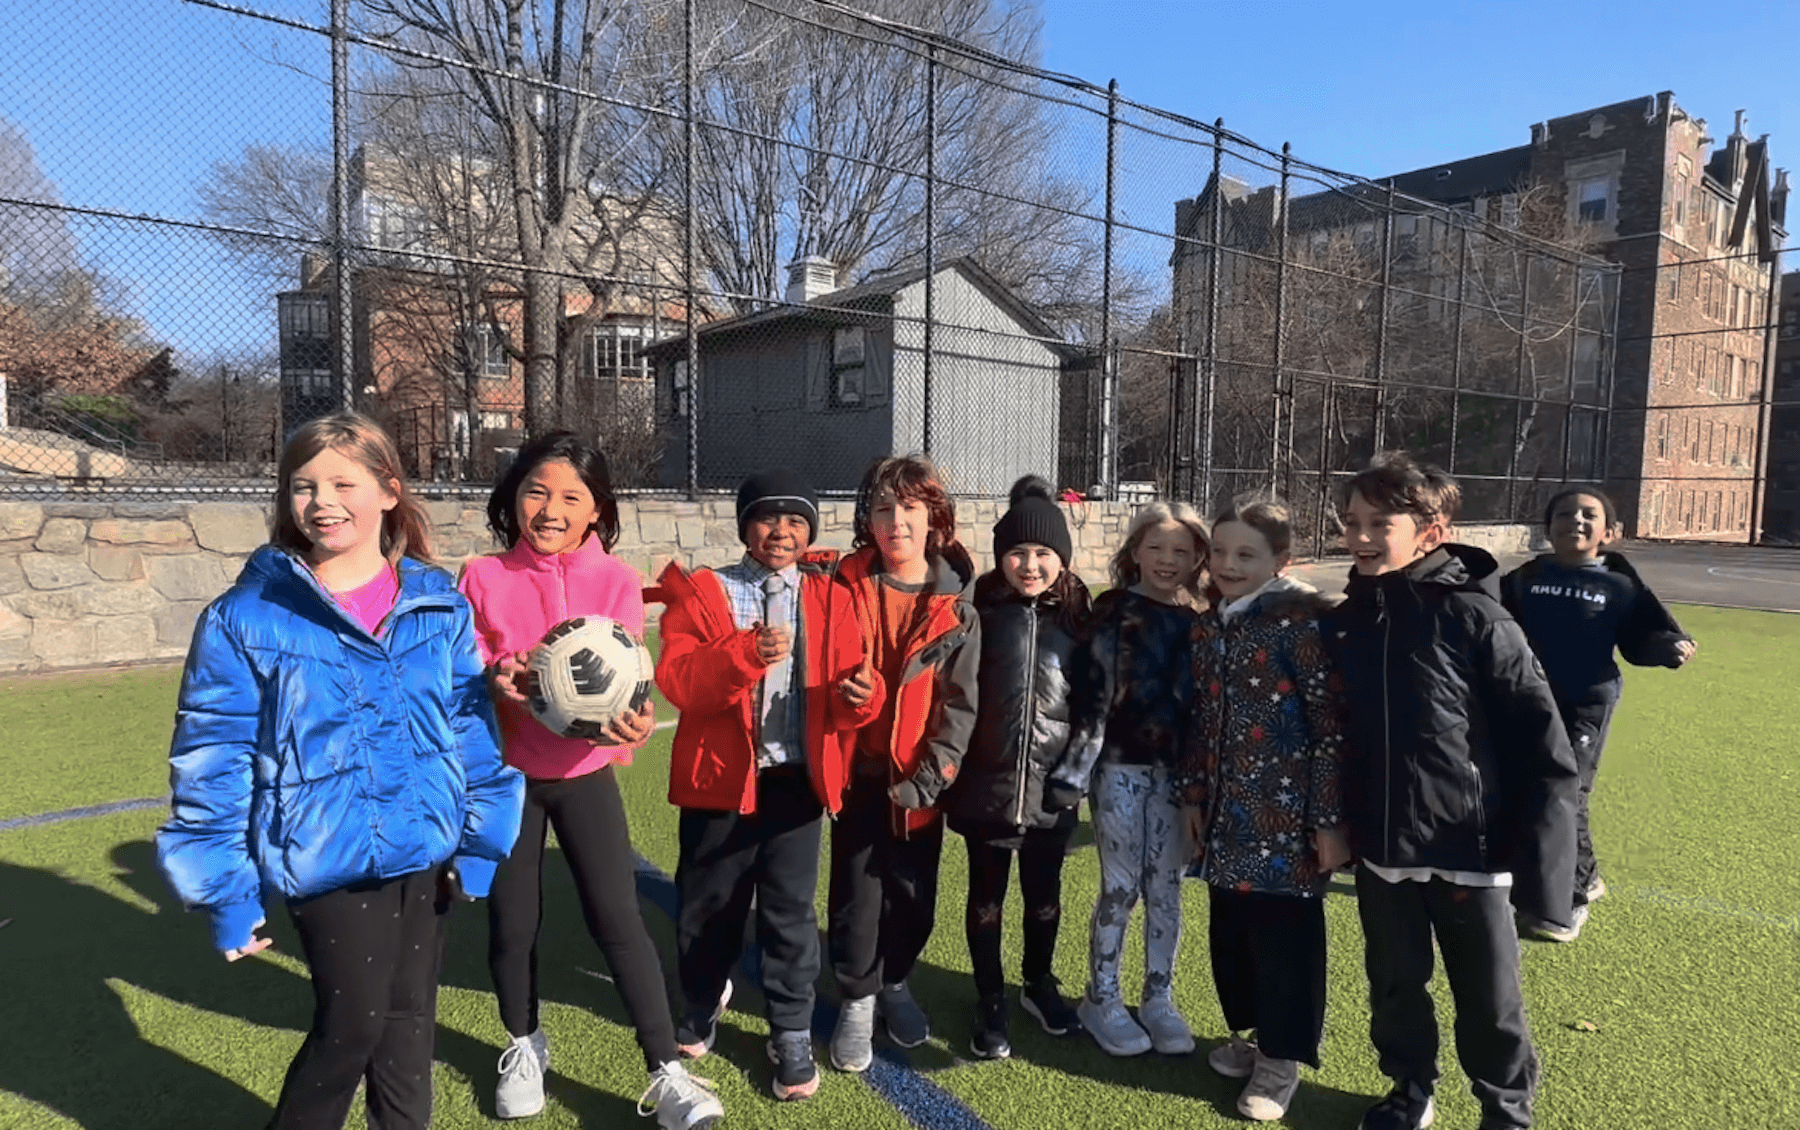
column 587, row 673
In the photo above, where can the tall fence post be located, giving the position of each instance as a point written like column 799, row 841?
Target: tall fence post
column 692, row 392
column 930, row 240
column 1209, row 349
column 340, row 202
column 1456, row 359
column 1381, row 322
column 1109, row 368
column 1279, row 386
column 1523, row 363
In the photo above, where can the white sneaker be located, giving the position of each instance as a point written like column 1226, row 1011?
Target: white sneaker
column 1112, row 1027
column 1234, row 1059
column 1271, row 1089
column 1169, row 1032
column 680, row 1101
column 520, row 1092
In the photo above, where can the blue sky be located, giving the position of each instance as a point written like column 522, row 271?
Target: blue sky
column 129, row 101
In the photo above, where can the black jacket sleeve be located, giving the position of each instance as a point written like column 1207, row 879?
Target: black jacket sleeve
column 1539, row 780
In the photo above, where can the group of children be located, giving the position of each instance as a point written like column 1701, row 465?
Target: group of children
column 352, row 735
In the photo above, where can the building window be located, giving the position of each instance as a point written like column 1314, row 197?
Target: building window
column 1587, row 361
column 487, row 350
column 496, row 421
column 1662, row 438
column 614, row 351
column 849, row 388
column 1790, row 321
column 1593, row 200
column 1675, row 282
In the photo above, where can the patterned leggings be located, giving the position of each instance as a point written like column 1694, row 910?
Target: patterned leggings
column 1144, row 849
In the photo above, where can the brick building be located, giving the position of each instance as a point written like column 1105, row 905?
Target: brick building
column 1695, row 228
column 1698, row 230
column 1781, row 508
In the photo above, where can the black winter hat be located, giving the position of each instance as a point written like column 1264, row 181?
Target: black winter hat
column 1034, row 517
column 777, row 491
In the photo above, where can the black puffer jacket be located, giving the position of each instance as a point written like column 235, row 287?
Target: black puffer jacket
column 1455, row 755
column 1022, row 723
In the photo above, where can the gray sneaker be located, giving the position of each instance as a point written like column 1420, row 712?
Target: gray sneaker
column 1169, row 1031
column 906, row 1022
column 852, row 1041
column 520, row 1092
column 1234, row 1059
column 680, row 1101
column 1112, row 1027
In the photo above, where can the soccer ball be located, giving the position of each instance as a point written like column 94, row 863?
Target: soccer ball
column 586, row 673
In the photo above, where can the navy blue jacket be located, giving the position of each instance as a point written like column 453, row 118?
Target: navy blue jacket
column 1574, row 619
column 309, row 755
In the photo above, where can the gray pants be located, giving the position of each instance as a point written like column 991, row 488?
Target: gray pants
column 1144, row 850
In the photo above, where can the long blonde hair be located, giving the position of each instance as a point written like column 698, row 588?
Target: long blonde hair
column 405, row 530
column 1125, row 571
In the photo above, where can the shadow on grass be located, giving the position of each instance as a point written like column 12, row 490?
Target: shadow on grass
column 70, row 1043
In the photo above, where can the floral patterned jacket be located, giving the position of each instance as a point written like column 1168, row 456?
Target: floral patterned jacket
column 1262, row 753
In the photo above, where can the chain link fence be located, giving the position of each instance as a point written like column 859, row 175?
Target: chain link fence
column 721, row 234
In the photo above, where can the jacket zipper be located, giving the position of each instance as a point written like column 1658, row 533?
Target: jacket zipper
column 1387, row 734
column 1030, row 711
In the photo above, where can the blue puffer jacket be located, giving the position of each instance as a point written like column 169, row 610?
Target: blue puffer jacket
column 309, row 755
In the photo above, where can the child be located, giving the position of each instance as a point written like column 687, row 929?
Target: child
column 907, row 579
column 766, row 664
column 333, row 745
column 555, row 512
column 1459, row 785
column 1576, row 604
column 1138, row 685
column 1259, row 779
column 1033, row 613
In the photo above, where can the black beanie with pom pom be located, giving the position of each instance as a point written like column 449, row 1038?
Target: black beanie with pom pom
column 1033, row 518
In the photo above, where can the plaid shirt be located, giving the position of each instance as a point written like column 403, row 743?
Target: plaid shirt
column 781, row 728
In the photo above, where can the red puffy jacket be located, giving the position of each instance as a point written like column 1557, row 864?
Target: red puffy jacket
column 709, row 671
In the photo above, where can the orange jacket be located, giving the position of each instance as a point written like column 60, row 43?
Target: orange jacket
column 709, row 671
column 934, row 704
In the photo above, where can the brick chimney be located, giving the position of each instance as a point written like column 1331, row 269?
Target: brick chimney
column 809, row 278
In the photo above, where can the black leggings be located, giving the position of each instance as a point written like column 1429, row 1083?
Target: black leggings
column 1040, row 880
column 589, row 818
column 374, row 951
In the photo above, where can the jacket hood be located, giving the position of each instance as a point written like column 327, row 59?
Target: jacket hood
column 273, row 565
column 1462, row 568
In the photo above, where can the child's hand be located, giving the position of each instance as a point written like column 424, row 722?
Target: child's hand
column 1332, row 849
column 1196, row 826
column 255, row 945
column 773, row 644
column 510, row 676
column 1684, row 650
column 859, row 687
column 631, row 729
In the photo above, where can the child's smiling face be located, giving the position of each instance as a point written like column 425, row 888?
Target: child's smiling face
column 556, row 508
column 1382, row 542
column 1578, row 528
column 1167, row 560
column 776, row 541
column 1242, row 560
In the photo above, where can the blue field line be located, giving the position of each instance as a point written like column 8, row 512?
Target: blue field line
column 42, row 818
column 918, row 1099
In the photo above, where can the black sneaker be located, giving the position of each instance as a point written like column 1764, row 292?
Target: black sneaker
column 1407, row 1107
column 989, row 1041
column 906, row 1021
column 796, row 1075
column 1042, row 1001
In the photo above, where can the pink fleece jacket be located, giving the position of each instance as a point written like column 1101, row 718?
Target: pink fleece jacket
column 521, row 594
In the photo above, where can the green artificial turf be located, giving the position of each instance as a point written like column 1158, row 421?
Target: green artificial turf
column 1675, row 1009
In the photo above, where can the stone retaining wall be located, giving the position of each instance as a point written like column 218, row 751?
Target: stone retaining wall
column 92, row 583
